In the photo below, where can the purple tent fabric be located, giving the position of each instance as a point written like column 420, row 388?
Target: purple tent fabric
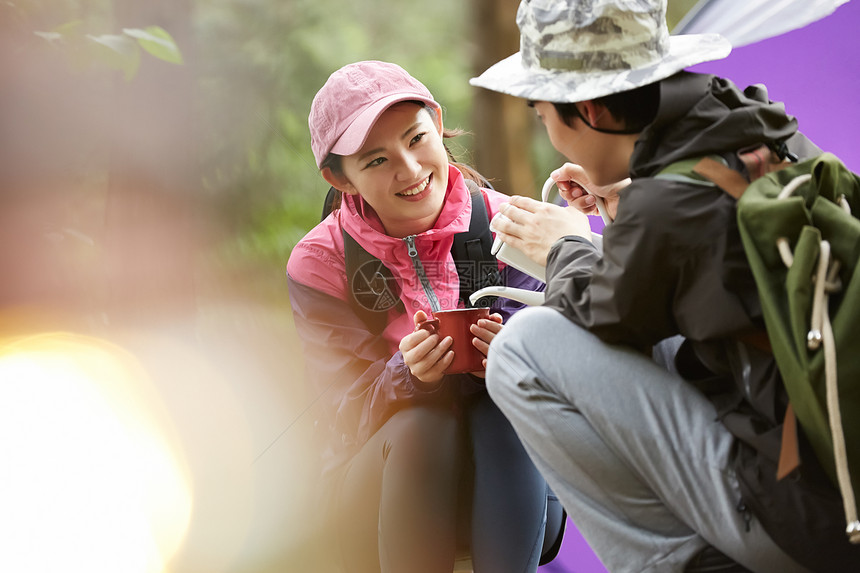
column 814, row 71
column 575, row 556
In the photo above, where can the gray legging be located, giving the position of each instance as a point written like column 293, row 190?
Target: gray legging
column 399, row 496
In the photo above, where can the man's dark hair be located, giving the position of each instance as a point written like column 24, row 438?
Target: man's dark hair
column 635, row 108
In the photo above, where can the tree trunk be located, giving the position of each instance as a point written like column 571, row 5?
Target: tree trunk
column 502, row 123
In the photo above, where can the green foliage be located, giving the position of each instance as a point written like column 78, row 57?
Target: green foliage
column 261, row 64
column 78, row 30
column 112, row 51
column 157, row 42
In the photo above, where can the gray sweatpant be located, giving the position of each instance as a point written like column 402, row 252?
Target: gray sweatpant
column 635, row 454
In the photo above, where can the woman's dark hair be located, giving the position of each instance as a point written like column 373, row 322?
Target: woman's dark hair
column 635, row 108
column 333, row 161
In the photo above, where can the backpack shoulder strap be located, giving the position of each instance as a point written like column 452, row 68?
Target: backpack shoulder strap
column 685, row 171
column 328, row 202
column 715, row 170
column 723, row 176
column 469, row 244
column 372, row 286
column 476, row 266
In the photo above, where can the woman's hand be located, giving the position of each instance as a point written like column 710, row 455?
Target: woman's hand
column 485, row 331
column 576, row 188
column 425, row 354
column 534, row 226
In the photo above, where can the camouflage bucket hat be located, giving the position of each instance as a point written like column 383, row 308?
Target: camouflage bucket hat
column 575, row 50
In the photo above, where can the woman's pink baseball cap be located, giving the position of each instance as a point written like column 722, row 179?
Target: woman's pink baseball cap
column 352, row 99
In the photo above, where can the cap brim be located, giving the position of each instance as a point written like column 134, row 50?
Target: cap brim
column 509, row 76
column 356, row 134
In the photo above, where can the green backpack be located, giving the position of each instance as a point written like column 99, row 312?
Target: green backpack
column 801, row 235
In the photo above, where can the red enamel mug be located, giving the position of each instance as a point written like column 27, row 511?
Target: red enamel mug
column 455, row 323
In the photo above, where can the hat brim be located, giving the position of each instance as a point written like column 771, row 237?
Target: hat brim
column 355, row 135
column 509, row 76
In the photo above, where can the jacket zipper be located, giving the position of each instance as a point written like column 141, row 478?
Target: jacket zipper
column 422, row 276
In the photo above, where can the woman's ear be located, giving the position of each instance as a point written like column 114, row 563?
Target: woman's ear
column 338, row 181
column 437, row 118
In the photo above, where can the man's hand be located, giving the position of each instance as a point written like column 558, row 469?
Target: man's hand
column 576, row 188
column 534, row 226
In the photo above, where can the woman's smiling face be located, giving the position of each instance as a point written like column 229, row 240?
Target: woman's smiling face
column 401, row 171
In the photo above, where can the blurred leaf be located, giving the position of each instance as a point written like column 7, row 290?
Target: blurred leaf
column 121, row 53
column 156, row 41
column 70, row 28
column 119, row 44
column 51, row 37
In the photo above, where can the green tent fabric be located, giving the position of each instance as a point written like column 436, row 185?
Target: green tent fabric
column 797, row 225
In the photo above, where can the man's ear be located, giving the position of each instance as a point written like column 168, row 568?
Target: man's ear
column 338, row 181
column 599, row 115
column 593, row 112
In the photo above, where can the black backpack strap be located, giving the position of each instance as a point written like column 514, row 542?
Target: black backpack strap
column 328, row 202
column 372, row 286
column 476, row 266
column 373, row 290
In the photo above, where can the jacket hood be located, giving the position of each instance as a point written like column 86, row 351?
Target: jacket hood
column 701, row 114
